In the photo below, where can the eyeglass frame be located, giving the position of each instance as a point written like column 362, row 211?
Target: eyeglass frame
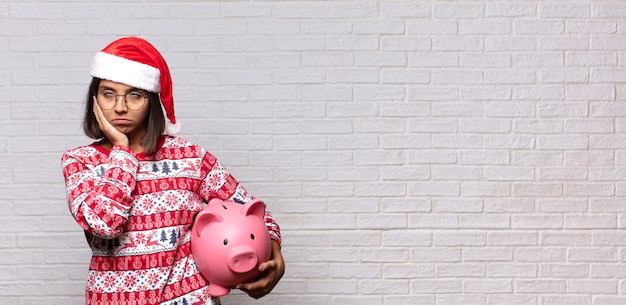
column 145, row 96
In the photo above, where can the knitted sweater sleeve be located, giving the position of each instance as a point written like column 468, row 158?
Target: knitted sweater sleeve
column 100, row 191
column 219, row 183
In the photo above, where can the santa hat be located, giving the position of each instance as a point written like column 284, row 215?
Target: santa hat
column 135, row 62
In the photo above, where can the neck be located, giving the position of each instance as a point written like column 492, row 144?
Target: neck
column 134, row 140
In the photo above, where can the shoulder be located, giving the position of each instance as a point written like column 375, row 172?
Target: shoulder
column 83, row 154
column 86, row 151
column 171, row 142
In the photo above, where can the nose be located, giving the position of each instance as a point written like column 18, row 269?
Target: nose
column 242, row 259
column 120, row 107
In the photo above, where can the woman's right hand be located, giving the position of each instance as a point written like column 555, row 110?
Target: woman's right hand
column 113, row 135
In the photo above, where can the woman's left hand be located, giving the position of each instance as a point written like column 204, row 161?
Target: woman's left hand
column 271, row 272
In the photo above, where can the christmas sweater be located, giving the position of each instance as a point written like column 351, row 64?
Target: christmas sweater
column 137, row 211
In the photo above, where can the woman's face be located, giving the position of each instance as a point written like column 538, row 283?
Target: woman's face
column 126, row 112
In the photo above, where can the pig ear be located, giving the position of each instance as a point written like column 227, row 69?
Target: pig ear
column 204, row 218
column 215, row 201
column 254, row 207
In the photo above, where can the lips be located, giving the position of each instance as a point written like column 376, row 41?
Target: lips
column 121, row 122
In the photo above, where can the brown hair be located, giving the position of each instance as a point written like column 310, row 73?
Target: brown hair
column 155, row 126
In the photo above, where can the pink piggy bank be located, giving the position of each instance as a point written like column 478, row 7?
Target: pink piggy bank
column 228, row 241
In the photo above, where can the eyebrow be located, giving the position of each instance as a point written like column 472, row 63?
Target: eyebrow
column 103, row 87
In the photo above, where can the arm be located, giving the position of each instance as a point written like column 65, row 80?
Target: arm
column 219, row 183
column 101, row 203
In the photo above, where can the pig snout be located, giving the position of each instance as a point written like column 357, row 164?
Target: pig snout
column 242, row 259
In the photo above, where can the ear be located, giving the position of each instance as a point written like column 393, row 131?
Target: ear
column 204, row 218
column 214, row 201
column 254, row 207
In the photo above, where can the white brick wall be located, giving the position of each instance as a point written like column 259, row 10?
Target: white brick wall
column 414, row 152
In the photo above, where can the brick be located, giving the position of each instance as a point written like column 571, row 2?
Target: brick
column 402, row 271
column 443, row 286
column 383, row 255
column 434, row 188
column 456, row 205
column 431, row 27
column 413, row 238
column 388, row 95
column 458, row 43
column 352, row 142
column 326, row 127
column 436, row 94
column 405, row 9
column 443, row 221
column 404, row 205
column 514, row 9
column 361, row 238
column 402, row 76
column 461, row 270
column 376, row 59
column 350, row 10
column 456, row 109
column 352, row 43
column 540, row 286
column 487, row 286
column 608, row 10
column 591, row 26
column 463, row 10
column 439, row 172
column 241, row 10
column 539, row 26
column 551, row 10
column 538, row 59
column 513, row 299
column 586, row 58
column 362, row 76
column 592, row 255
column 445, row 77
column 507, row 270
column 563, row 43
column 405, row 43
column 386, row 287
column 563, row 271
column 449, row 239
column 510, row 43
column 484, row 27
column 480, row 125
column 364, row 271
column 384, row 27
column 325, row 27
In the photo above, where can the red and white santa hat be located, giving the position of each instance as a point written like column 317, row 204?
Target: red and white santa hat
column 135, row 62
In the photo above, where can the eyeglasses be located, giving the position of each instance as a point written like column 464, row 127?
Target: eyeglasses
column 134, row 100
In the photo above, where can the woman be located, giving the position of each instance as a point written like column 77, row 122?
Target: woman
column 136, row 191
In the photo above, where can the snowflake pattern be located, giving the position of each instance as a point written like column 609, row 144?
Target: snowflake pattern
column 137, row 213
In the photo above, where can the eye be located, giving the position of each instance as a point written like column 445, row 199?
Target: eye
column 225, row 242
column 134, row 96
column 108, row 94
column 252, row 236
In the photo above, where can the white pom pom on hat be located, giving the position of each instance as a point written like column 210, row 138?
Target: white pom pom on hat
column 135, row 62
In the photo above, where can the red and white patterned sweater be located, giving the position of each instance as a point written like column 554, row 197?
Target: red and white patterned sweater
column 137, row 211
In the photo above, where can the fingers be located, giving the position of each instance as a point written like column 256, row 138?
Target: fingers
column 97, row 112
column 112, row 134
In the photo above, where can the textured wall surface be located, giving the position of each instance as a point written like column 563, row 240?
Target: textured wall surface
column 414, row 152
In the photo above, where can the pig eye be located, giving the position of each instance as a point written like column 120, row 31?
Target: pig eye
column 252, row 236
column 225, row 242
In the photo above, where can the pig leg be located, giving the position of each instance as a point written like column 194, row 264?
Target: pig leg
column 217, row 290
